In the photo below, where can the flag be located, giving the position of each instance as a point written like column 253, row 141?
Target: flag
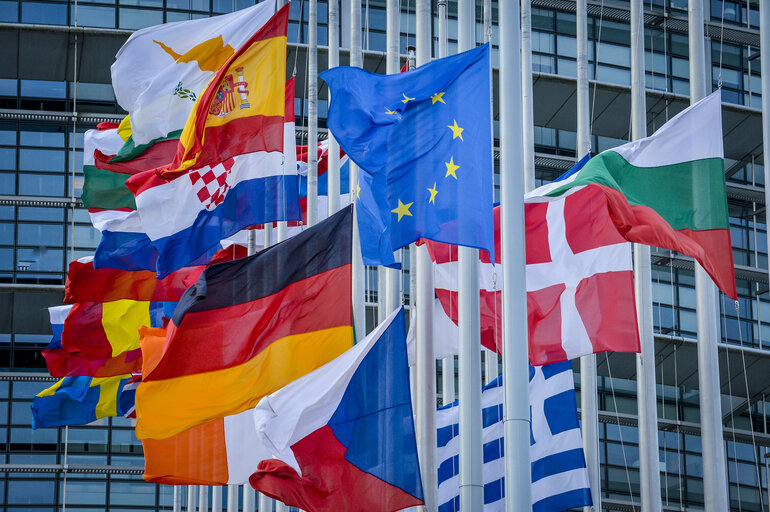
column 342, row 437
column 689, row 214
column 100, row 339
column 423, row 140
column 81, row 400
column 559, row 474
column 323, row 181
column 160, row 71
column 580, row 290
column 228, row 172
column 111, row 205
column 249, row 327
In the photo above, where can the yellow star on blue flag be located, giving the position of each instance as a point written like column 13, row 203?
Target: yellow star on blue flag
column 424, row 130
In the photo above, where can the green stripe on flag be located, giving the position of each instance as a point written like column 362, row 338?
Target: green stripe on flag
column 688, row 195
column 106, row 189
column 129, row 151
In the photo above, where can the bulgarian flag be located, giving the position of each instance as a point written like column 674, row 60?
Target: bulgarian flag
column 668, row 190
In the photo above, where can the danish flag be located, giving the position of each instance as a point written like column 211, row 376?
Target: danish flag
column 580, row 290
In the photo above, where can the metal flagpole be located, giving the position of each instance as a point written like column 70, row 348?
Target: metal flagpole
column 192, row 492
column 588, row 393
column 491, row 367
column 393, row 38
column 649, row 470
column 264, row 503
column 707, row 311
column 333, row 154
column 203, row 498
column 425, row 359
column 359, row 306
column 471, row 461
column 232, row 498
column 177, row 503
column 216, row 498
column 448, row 363
column 248, row 498
column 312, row 114
column 515, row 350
column 528, row 140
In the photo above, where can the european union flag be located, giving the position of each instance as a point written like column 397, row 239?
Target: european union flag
column 423, row 140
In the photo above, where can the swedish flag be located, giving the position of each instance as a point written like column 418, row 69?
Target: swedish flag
column 423, row 140
column 81, row 400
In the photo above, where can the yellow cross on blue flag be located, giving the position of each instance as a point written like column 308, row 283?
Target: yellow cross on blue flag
column 423, row 141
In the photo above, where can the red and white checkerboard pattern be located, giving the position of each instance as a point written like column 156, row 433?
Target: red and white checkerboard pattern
column 211, row 183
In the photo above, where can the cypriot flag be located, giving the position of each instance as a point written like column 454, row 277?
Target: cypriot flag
column 160, row 71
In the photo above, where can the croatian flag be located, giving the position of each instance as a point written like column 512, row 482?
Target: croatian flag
column 342, row 437
column 559, row 474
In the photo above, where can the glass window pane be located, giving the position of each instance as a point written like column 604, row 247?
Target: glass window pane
column 8, row 159
column 139, row 18
column 47, row 160
column 40, row 259
column 94, row 16
column 30, row 492
column 39, row 234
column 41, row 185
column 47, row 14
column 7, row 183
column 9, row 11
column 43, row 88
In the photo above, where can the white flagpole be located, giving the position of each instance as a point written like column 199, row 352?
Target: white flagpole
column 203, row 498
column 232, row 498
column 491, row 367
column 425, row 359
column 248, row 498
column 312, row 114
column 528, row 140
column 471, row 459
column 359, row 306
column 649, row 470
column 515, row 350
column 192, row 492
column 589, row 409
column 264, row 504
column 448, row 363
column 177, row 503
column 707, row 311
column 392, row 279
column 216, row 498
column 333, row 154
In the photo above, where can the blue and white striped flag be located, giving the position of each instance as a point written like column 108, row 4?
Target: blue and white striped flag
column 559, row 474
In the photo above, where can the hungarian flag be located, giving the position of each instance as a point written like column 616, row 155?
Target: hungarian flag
column 249, row 327
column 668, row 190
column 228, row 172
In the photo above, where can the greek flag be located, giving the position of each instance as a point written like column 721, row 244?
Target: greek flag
column 559, row 474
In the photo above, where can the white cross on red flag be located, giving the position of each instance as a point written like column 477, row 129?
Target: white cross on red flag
column 580, row 290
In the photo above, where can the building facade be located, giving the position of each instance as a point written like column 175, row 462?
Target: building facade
column 55, row 85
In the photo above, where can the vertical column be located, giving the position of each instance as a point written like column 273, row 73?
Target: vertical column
column 707, row 310
column 588, row 403
column 515, row 351
column 232, row 498
column 333, row 155
column 312, row 114
column 649, row 471
column 177, row 503
column 448, row 363
column 265, row 503
column 392, row 278
column 528, row 133
column 471, row 461
column 203, row 498
column 425, row 359
column 192, row 492
column 764, row 63
column 248, row 498
column 216, row 498
column 359, row 278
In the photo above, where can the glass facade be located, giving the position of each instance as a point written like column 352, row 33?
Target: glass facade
column 41, row 146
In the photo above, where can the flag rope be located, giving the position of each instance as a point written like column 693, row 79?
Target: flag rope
column 730, row 393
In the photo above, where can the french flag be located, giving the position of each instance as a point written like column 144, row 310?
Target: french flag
column 342, row 437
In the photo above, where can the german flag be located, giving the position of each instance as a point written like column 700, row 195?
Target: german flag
column 249, row 327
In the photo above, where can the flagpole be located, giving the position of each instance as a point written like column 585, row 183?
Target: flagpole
column 312, row 114
column 176, row 505
column 191, row 495
column 528, row 140
column 649, row 470
column 425, row 359
column 359, row 306
column 707, row 312
column 491, row 366
column 589, row 410
column 216, row 498
column 471, row 460
column 232, row 498
column 448, row 363
column 333, row 154
column 393, row 38
column 203, row 498
column 516, row 419
column 248, row 498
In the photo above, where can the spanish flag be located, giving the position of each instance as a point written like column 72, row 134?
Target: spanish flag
column 242, row 109
column 249, row 327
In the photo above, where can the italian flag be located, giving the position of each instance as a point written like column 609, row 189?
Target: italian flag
column 668, row 190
